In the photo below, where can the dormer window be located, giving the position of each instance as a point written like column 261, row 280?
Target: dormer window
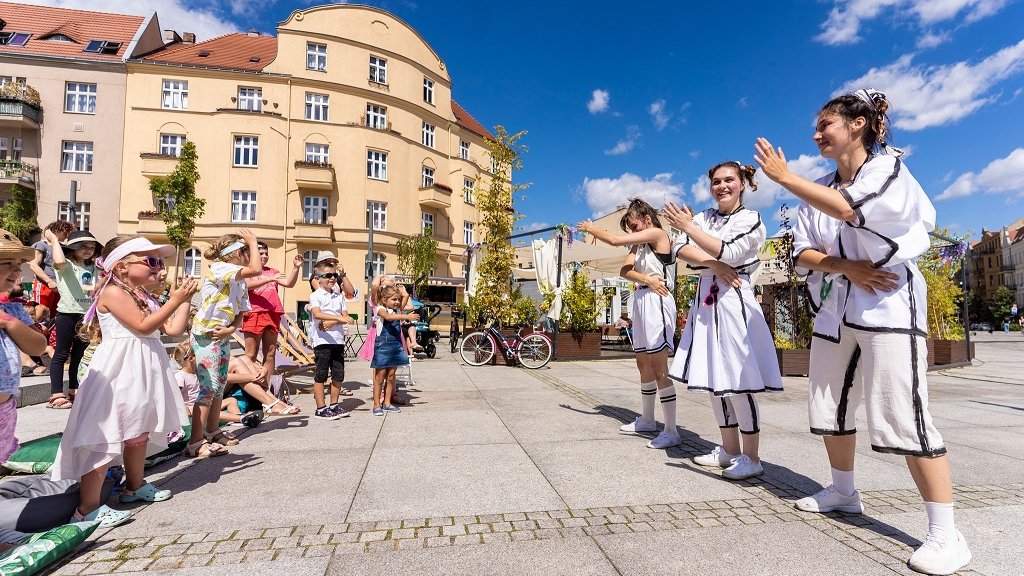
column 59, row 38
column 102, row 47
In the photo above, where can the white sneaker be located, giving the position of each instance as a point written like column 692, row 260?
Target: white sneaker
column 941, row 554
column 742, row 468
column 830, row 499
column 639, row 426
column 718, row 457
column 665, row 440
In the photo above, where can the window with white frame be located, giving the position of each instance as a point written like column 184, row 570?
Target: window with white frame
column 467, row 190
column 81, row 214
column 378, row 70
column 250, row 99
column 16, row 149
column 376, row 116
column 314, row 209
column 375, row 264
column 175, row 95
column 428, row 177
column 428, row 134
column 428, row 223
column 377, row 215
column 318, row 153
column 76, row 157
column 243, row 206
column 316, row 106
column 376, row 165
column 193, row 263
column 428, row 90
column 308, row 259
column 80, row 98
column 316, row 56
column 247, row 151
column 463, row 149
column 170, row 144
column 494, row 166
column 467, row 233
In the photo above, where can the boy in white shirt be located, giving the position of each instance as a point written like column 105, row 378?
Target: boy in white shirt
column 327, row 310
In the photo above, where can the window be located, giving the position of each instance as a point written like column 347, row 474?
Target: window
column 428, row 223
column 378, row 70
column 308, row 259
column 16, row 149
column 463, row 149
column 4, row 151
column 317, row 153
column 81, row 214
column 247, row 151
column 375, row 264
column 467, row 233
column 102, row 47
column 243, row 206
column 467, row 190
column 376, row 165
column 428, row 90
column 175, row 95
column 77, row 157
column 80, row 98
column 170, row 144
column 376, row 116
column 428, row 135
column 494, row 166
column 377, row 213
column 316, row 106
column 14, row 38
column 316, row 56
column 193, row 262
column 250, row 99
column 428, row 177
column 9, row 79
column 314, row 209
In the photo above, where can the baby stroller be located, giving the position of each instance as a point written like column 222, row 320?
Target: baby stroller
column 426, row 336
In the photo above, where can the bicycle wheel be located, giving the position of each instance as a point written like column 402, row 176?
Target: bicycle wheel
column 477, row 349
column 535, row 351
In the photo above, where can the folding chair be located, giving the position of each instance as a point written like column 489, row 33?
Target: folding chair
column 355, row 336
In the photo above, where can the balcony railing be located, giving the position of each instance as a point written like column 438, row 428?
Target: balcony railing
column 315, row 175
column 23, row 173
column 19, row 109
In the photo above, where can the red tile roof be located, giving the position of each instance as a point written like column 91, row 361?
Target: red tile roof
column 466, row 120
column 79, row 25
column 233, row 51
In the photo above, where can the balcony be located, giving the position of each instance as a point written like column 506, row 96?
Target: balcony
column 18, row 172
column 436, row 196
column 314, row 232
column 151, row 224
column 15, row 112
column 154, row 165
column 314, row 175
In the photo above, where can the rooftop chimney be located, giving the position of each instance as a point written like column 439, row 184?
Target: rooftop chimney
column 170, row 36
column 253, row 33
column 188, row 38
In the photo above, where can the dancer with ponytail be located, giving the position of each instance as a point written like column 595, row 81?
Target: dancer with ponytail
column 858, row 234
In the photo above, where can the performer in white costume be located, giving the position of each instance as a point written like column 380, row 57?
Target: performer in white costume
column 651, row 264
column 858, row 234
column 726, row 349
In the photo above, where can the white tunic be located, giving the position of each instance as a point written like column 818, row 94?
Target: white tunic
column 726, row 347
column 894, row 217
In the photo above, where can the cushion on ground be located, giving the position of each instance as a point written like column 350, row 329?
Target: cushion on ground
column 35, row 456
column 45, row 548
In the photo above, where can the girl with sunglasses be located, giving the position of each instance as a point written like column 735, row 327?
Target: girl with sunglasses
column 129, row 401
column 727, row 349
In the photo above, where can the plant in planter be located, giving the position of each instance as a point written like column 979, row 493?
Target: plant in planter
column 579, row 335
column 940, row 267
column 792, row 323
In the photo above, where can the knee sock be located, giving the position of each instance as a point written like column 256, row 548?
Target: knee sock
column 649, row 390
column 940, row 518
column 668, row 407
column 843, row 481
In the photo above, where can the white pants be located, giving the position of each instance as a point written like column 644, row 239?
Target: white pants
column 737, row 410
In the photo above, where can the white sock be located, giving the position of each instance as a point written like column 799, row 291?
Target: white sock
column 649, row 390
column 668, row 407
column 843, row 481
column 940, row 518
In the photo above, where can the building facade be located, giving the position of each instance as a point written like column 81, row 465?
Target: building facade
column 62, row 109
column 343, row 122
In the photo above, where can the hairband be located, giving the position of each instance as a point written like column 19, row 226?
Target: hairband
column 869, row 95
column 232, row 247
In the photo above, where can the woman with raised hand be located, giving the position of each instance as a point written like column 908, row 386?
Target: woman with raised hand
column 726, row 348
column 858, row 233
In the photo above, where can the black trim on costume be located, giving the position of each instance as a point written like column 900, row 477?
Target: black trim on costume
column 665, row 259
column 721, row 250
column 720, row 393
column 671, row 398
column 743, row 305
column 922, row 433
column 905, row 452
column 753, row 415
column 844, row 396
column 742, row 431
column 886, row 329
column 833, row 339
column 823, row 432
column 730, row 426
column 726, row 413
column 689, row 349
column 649, row 392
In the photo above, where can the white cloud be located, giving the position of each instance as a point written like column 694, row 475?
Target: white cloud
column 701, row 190
column 932, row 39
column 844, row 20
column 1001, row 176
column 536, row 226
column 604, row 195
column 843, row 24
column 924, row 96
column 658, row 114
column 178, row 15
column 694, row 153
column 598, row 101
column 742, row 102
column 626, row 144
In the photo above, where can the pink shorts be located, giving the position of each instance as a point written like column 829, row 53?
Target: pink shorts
column 8, row 422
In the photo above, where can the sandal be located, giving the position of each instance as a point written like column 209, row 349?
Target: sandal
column 221, row 437
column 145, row 493
column 59, row 402
column 203, row 449
column 288, row 410
column 44, row 372
column 346, row 392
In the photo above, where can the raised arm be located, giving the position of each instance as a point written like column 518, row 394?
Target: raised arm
column 648, row 236
column 255, row 267
column 293, row 276
column 55, row 249
column 829, row 201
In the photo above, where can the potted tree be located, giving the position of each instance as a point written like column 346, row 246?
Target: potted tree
column 579, row 336
column 788, row 311
column 939, row 267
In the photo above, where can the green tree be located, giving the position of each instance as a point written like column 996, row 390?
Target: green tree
column 495, row 203
column 18, row 214
column 175, row 196
column 1000, row 303
column 940, row 268
column 416, row 256
column 579, row 305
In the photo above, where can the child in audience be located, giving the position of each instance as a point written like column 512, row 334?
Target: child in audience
column 188, row 381
column 327, row 311
column 388, row 349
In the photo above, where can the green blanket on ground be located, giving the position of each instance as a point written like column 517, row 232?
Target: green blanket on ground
column 37, row 456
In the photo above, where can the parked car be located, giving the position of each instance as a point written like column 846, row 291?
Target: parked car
column 982, row 326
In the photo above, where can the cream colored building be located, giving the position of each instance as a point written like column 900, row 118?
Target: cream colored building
column 308, row 136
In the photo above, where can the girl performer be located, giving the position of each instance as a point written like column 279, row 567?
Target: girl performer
column 726, row 349
column 858, row 233
column 651, row 264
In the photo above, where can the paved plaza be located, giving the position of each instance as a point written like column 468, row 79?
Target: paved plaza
column 496, row 470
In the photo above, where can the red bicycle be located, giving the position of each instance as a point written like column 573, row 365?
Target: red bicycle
column 531, row 351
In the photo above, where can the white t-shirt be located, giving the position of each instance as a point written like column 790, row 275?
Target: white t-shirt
column 332, row 303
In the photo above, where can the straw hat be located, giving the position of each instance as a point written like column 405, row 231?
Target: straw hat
column 11, row 247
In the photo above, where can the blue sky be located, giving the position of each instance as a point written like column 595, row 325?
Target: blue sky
column 622, row 100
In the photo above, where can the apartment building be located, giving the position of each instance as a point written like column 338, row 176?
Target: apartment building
column 62, row 107
column 342, row 122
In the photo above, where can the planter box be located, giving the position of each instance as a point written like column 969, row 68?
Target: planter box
column 949, row 352
column 569, row 346
column 794, row 362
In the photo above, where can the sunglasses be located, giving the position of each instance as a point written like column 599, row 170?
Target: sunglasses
column 151, row 261
column 328, row 275
column 712, row 296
